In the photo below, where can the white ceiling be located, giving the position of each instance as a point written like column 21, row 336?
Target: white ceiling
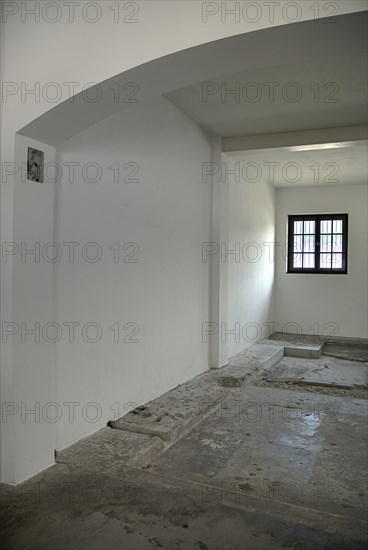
column 302, row 168
column 342, row 99
column 331, row 56
column 342, row 102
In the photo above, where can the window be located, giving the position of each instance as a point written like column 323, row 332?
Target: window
column 318, row 243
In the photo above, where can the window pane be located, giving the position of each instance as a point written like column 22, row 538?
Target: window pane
column 337, row 261
column 297, row 260
column 309, row 227
column 322, row 234
column 309, row 243
column 337, row 226
column 325, row 261
column 298, row 228
column 308, row 261
column 326, row 226
column 326, row 242
column 298, row 242
column 337, row 243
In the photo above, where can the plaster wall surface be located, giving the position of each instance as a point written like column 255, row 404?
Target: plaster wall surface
column 158, row 291
column 250, row 261
column 28, row 433
column 326, row 304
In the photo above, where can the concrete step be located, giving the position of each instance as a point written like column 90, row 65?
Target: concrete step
column 174, row 413
column 108, row 448
column 297, row 349
column 269, row 353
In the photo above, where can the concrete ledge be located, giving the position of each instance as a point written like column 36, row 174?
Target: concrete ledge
column 173, row 414
column 170, row 425
column 297, row 349
column 108, row 448
column 146, row 454
column 304, row 352
column 269, row 353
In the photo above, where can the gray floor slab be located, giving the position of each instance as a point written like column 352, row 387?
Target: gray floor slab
column 265, row 468
column 279, row 445
column 325, row 371
column 352, row 352
column 76, row 508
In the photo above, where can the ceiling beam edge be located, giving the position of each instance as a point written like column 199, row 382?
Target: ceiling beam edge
column 291, row 139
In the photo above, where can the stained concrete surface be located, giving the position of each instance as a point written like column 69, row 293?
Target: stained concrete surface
column 353, row 349
column 289, row 447
column 343, row 351
column 325, row 371
column 173, row 413
column 261, row 467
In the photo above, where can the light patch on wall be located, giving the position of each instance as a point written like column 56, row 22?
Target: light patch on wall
column 35, row 165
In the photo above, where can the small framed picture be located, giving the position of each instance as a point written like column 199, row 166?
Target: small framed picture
column 35, row 165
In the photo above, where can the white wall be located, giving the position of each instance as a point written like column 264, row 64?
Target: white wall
column 29, row 437
column 166, row 293
column 251, row 233
column 319, row 298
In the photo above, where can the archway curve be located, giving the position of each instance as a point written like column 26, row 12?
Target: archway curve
column 295, row 43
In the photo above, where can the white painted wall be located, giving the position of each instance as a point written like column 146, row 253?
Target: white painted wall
column 251, row 232
column 166, row 293
column 318, row 298
column 218, row 346
column 28, row 435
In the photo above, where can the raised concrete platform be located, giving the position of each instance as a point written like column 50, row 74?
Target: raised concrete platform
column 352, row 349
column 168, row 416
column 171, row 415
column 269, row 353
column 298, row 349
column 111, row 449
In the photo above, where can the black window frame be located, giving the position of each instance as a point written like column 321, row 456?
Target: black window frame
column 318, row 218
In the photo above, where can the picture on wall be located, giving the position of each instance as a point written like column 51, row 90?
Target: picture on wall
column 35, row 165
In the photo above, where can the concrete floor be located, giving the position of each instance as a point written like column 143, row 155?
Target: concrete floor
column 327, row 372
column 240, row 458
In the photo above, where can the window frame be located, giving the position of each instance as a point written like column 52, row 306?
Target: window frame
column 317, row 218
